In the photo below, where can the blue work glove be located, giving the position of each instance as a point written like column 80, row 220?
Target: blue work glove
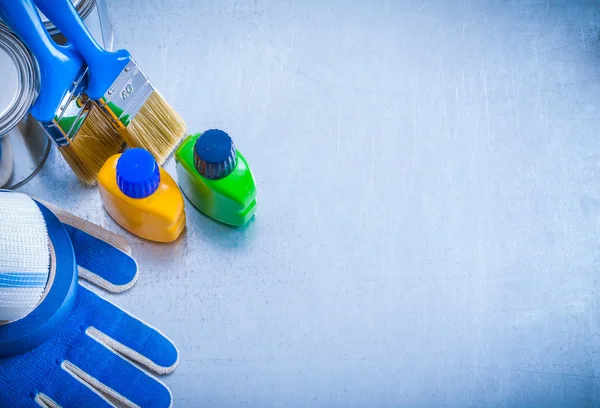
column 94, row 358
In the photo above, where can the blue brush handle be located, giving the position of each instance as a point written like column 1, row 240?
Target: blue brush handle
column 59, row 66
column 104, row 66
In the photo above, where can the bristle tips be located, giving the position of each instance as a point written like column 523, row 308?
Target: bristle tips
column 157, row 127
column 96, row 141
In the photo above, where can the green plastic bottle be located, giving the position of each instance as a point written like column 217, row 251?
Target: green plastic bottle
column 216, row 178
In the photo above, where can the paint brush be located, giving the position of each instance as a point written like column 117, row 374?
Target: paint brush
column 120, row 87
column 83, row 135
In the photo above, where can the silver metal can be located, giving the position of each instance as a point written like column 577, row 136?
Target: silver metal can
column 24, row 146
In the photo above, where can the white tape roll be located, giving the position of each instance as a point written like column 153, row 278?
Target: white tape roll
column 24, row 256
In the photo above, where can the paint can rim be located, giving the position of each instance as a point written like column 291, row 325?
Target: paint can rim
column 16, row 106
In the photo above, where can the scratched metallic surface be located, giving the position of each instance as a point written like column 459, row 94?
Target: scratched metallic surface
column 429, row 186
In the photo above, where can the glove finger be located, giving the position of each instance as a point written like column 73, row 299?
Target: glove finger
column 67, row 218
column 110, row 374
column 102, row 263
column 126, row 335
column 37, row 379
column 104, row 258
column 69, row 391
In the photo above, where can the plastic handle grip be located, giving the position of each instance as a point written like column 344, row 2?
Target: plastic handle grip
column 104, row 66
column 59, row 66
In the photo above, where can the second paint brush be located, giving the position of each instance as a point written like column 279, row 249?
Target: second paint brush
column 120, row 87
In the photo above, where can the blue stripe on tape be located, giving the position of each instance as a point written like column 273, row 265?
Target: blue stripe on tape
column 23, row 279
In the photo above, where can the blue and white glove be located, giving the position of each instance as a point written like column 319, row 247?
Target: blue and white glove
column 101, row 355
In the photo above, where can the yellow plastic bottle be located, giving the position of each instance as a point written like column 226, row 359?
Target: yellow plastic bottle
column 142, row 197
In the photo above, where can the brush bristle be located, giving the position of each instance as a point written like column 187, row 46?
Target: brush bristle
column 157, row 127
column 96, row 141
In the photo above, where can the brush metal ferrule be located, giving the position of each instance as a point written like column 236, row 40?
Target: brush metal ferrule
column 71, row 113
column 126, row 96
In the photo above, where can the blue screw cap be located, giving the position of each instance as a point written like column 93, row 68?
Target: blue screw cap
column 138, row 174
column 214, row 154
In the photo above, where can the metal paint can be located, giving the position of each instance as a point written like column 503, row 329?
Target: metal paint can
column 24, row 146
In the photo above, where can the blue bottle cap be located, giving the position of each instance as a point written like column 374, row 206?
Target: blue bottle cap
column 138, row 174
column 214, row 154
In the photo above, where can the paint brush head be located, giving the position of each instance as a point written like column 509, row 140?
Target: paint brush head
column 95, row 141
column 84, row 136
column 140, row 112
column 156, row 127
